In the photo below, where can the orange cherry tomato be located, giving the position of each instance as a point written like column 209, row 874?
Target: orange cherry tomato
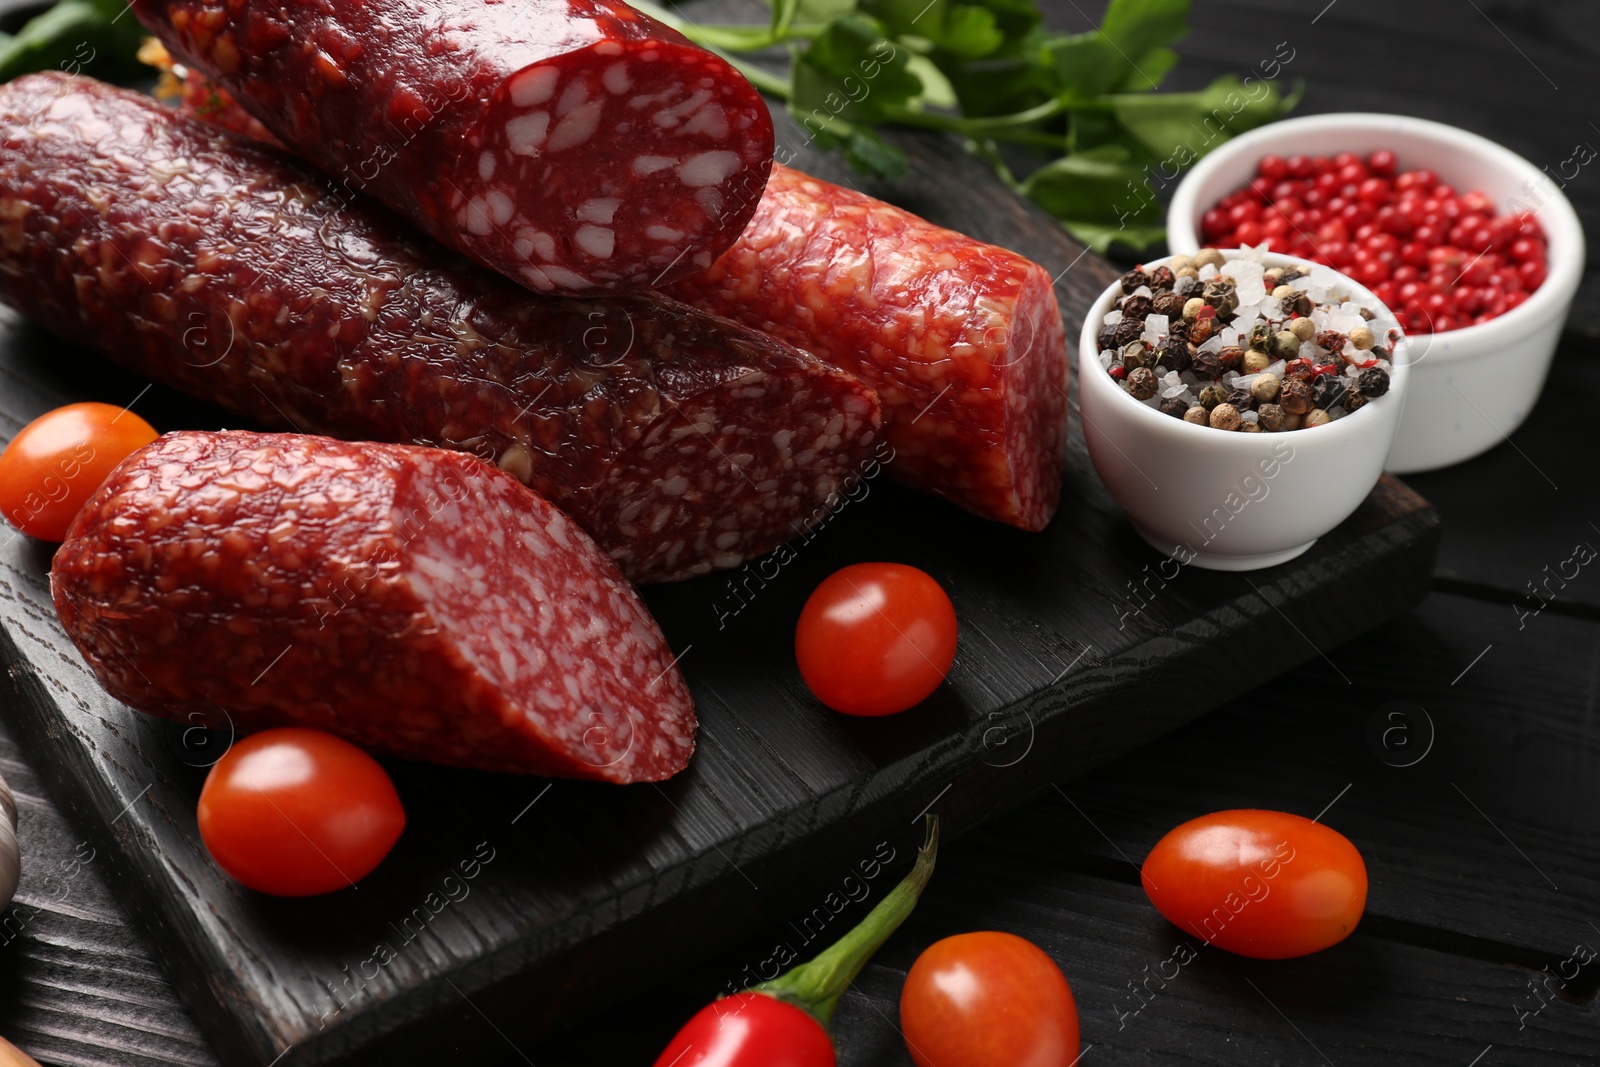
column 1264, row 884
column 296, row 812
column 988, row 999
column 876, row 638
column 55, row 462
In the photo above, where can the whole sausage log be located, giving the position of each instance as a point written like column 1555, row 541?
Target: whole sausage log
column 411, row 600
column 572, row 145
column 962, row 340
column 681, row 442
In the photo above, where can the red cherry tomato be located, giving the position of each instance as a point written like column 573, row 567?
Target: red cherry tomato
column 296, row 812
column 876, row 638
column 988, row 1000
column 56, row 461
column 1263, row 884
column 750, row 1030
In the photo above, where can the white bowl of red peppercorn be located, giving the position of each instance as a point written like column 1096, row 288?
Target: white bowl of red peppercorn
column 1195, row 484
column 1478, row 377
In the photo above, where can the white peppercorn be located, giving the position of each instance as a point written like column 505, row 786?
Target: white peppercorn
column 1265, row 388
column 1303, row 329
column 1225, row 417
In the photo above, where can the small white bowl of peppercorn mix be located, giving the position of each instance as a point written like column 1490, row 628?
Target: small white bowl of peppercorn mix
column 1475, row 249
column 1239, row 404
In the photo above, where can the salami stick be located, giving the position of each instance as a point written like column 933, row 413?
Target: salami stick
column 681, row 442
column 962, row 340
column 573, row 145
column 411, row 600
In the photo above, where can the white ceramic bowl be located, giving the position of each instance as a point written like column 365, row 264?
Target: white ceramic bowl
column 1470, row 387
column 1233, row 501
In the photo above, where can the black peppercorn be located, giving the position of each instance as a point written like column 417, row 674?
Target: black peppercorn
column 1212, row 395
column 1374, row 382
column 1240, row 398
column 1133, row 354
column 1133, row 280
column 1108, row 337
column 1141, row 383
column 1301, row 305
column 1295, row 397
column 1221, row 294
column 1161, row 278
column 1353, row 399
column 1169, row 304
column 1178, row 328
column 1137, row 307
column 1231, row 358
column 1271, row 417
column 1328, row 390
column 1175, row 354
column 1174, row 407
column 1127, row 330
column 1206, row 365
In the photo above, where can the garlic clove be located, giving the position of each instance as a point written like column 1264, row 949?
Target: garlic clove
column 11, row 1055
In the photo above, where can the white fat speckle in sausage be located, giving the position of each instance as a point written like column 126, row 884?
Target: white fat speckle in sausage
column 534, row 86
column 616, row 79
column 567, row 279
column 669, row 117
column 644, row 166
column 478, row 217
column 526, row 133
column 710, row 202
column 573, row 97
column 602, row 210
column 486, row 164
column 500, row 207
column 663, row 233
column 595, row 240
column 710, row 120
column 708, row 168
column 577, row 127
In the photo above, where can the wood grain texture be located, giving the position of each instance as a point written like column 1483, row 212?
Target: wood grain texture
column 85, row 988
column 1371, row 1000
column 587, row 892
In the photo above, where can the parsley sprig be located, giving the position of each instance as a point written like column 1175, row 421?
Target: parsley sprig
column 1082, row 108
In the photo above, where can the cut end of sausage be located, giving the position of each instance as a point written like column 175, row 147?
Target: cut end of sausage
column 621, row 166
column 413, row 601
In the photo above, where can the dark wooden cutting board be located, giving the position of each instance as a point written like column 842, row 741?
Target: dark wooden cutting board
column 530, row 903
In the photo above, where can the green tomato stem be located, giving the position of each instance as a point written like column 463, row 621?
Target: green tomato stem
column 817, row 986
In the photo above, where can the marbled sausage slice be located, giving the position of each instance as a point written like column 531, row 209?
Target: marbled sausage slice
column 414, row 601
column 574, row 146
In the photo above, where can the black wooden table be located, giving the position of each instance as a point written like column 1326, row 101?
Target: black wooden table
column 1459, row 747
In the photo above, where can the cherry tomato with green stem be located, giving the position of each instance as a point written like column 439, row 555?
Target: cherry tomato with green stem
column 876, row 638
column 56, row 462
column 1264, row 884
column 296, row 812
column 784, row 1022
column 988, row 999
